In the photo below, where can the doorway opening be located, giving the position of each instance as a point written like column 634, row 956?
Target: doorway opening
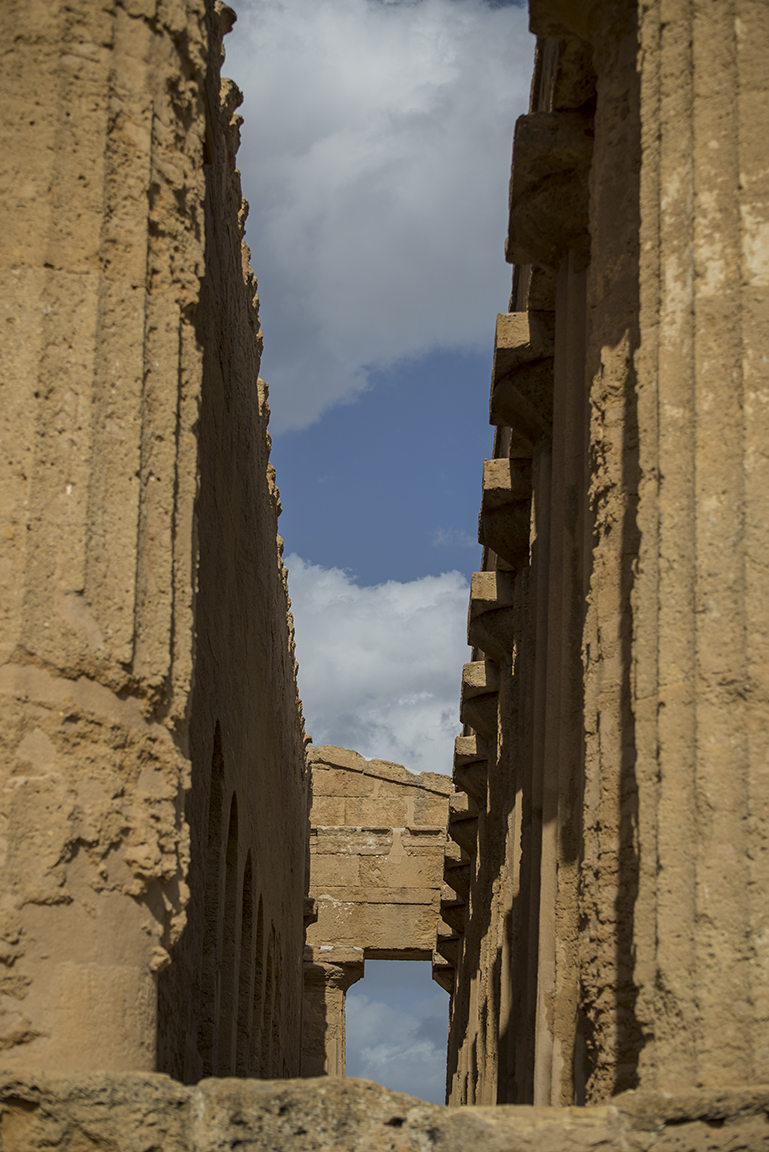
column 397, row 1027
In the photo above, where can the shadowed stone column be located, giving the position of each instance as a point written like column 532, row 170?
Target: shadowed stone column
column 325, row 990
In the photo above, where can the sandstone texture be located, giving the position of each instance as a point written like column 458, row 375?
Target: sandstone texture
column 592, row 887
column 149, row 711
column 377, row 843
column 145, row 1113
column 611, row 865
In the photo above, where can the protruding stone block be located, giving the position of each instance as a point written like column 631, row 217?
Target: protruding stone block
column 478, row 702
column 479, row 677
column 448, row 947
column 522, row 338
column 490, row 621
column 549, row 187
column 463, row 821
column 490, row 590
column 505, row 519
column 522, row 374
column 444, row 973
column 471, row 766
column 453, row 909
column 456, row 869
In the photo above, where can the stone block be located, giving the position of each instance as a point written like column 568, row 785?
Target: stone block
column 328, row 810
column 490, row 591
column 479, row 677
column 334, row 782
column 379, row 928
column 504, row 523
column 505, row 482
column 425, row 871
column 549, row 187
column 523, row 400
column 393, row 773
column 458, row 878
column 429, row 809
column 331, row 756
column 390, row 811
column 424, row 841
column 435, row 782
column 473, row 779
column 506, row 531
column 134, row 1112
column 522, row 338
column 493, row 633
column 119, row 1113
column 334, row 871
column 481, row 713
column 354, row 841
column 379, row 895
column 468, row 749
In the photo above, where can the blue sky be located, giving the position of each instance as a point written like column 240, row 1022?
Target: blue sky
column 388, row 486
column 375, row 156
column 396, row 1028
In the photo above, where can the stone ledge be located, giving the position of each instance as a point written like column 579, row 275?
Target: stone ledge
column 142, row 1112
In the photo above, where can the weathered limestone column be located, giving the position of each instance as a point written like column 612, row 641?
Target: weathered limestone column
column 701, row 601
column 100, row 254
column 326, row 981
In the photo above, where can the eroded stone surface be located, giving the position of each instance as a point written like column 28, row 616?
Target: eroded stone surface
column 616, row 902
column 136, row 1113
column 139, row 514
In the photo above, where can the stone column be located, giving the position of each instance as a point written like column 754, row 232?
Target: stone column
column 327, row 976
column 100, row 255
column 701, row 603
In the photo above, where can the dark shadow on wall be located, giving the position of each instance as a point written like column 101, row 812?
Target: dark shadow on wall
column 209, row 1008
column 227, row 968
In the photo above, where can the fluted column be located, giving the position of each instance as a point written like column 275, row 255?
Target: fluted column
column 702, row 596
column 100, row 256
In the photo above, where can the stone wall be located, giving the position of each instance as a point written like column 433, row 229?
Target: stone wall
column 615, row 709
column 149, row 700
column 377, row 842
column 130, row 1112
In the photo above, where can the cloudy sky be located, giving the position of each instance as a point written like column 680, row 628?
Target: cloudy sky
column 375, row 156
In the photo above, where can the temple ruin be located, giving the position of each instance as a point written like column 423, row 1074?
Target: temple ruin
column 178, row 925
column 377, row 846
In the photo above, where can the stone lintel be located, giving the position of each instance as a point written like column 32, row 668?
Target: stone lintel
column 398, row 953
column 332, row 954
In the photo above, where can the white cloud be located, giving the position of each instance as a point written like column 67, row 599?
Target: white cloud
column 380, row 666
column 452, row 538
column 376, row 151
column 404, row 1051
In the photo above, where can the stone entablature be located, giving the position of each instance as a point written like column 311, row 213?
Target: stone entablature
column 377, row 843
